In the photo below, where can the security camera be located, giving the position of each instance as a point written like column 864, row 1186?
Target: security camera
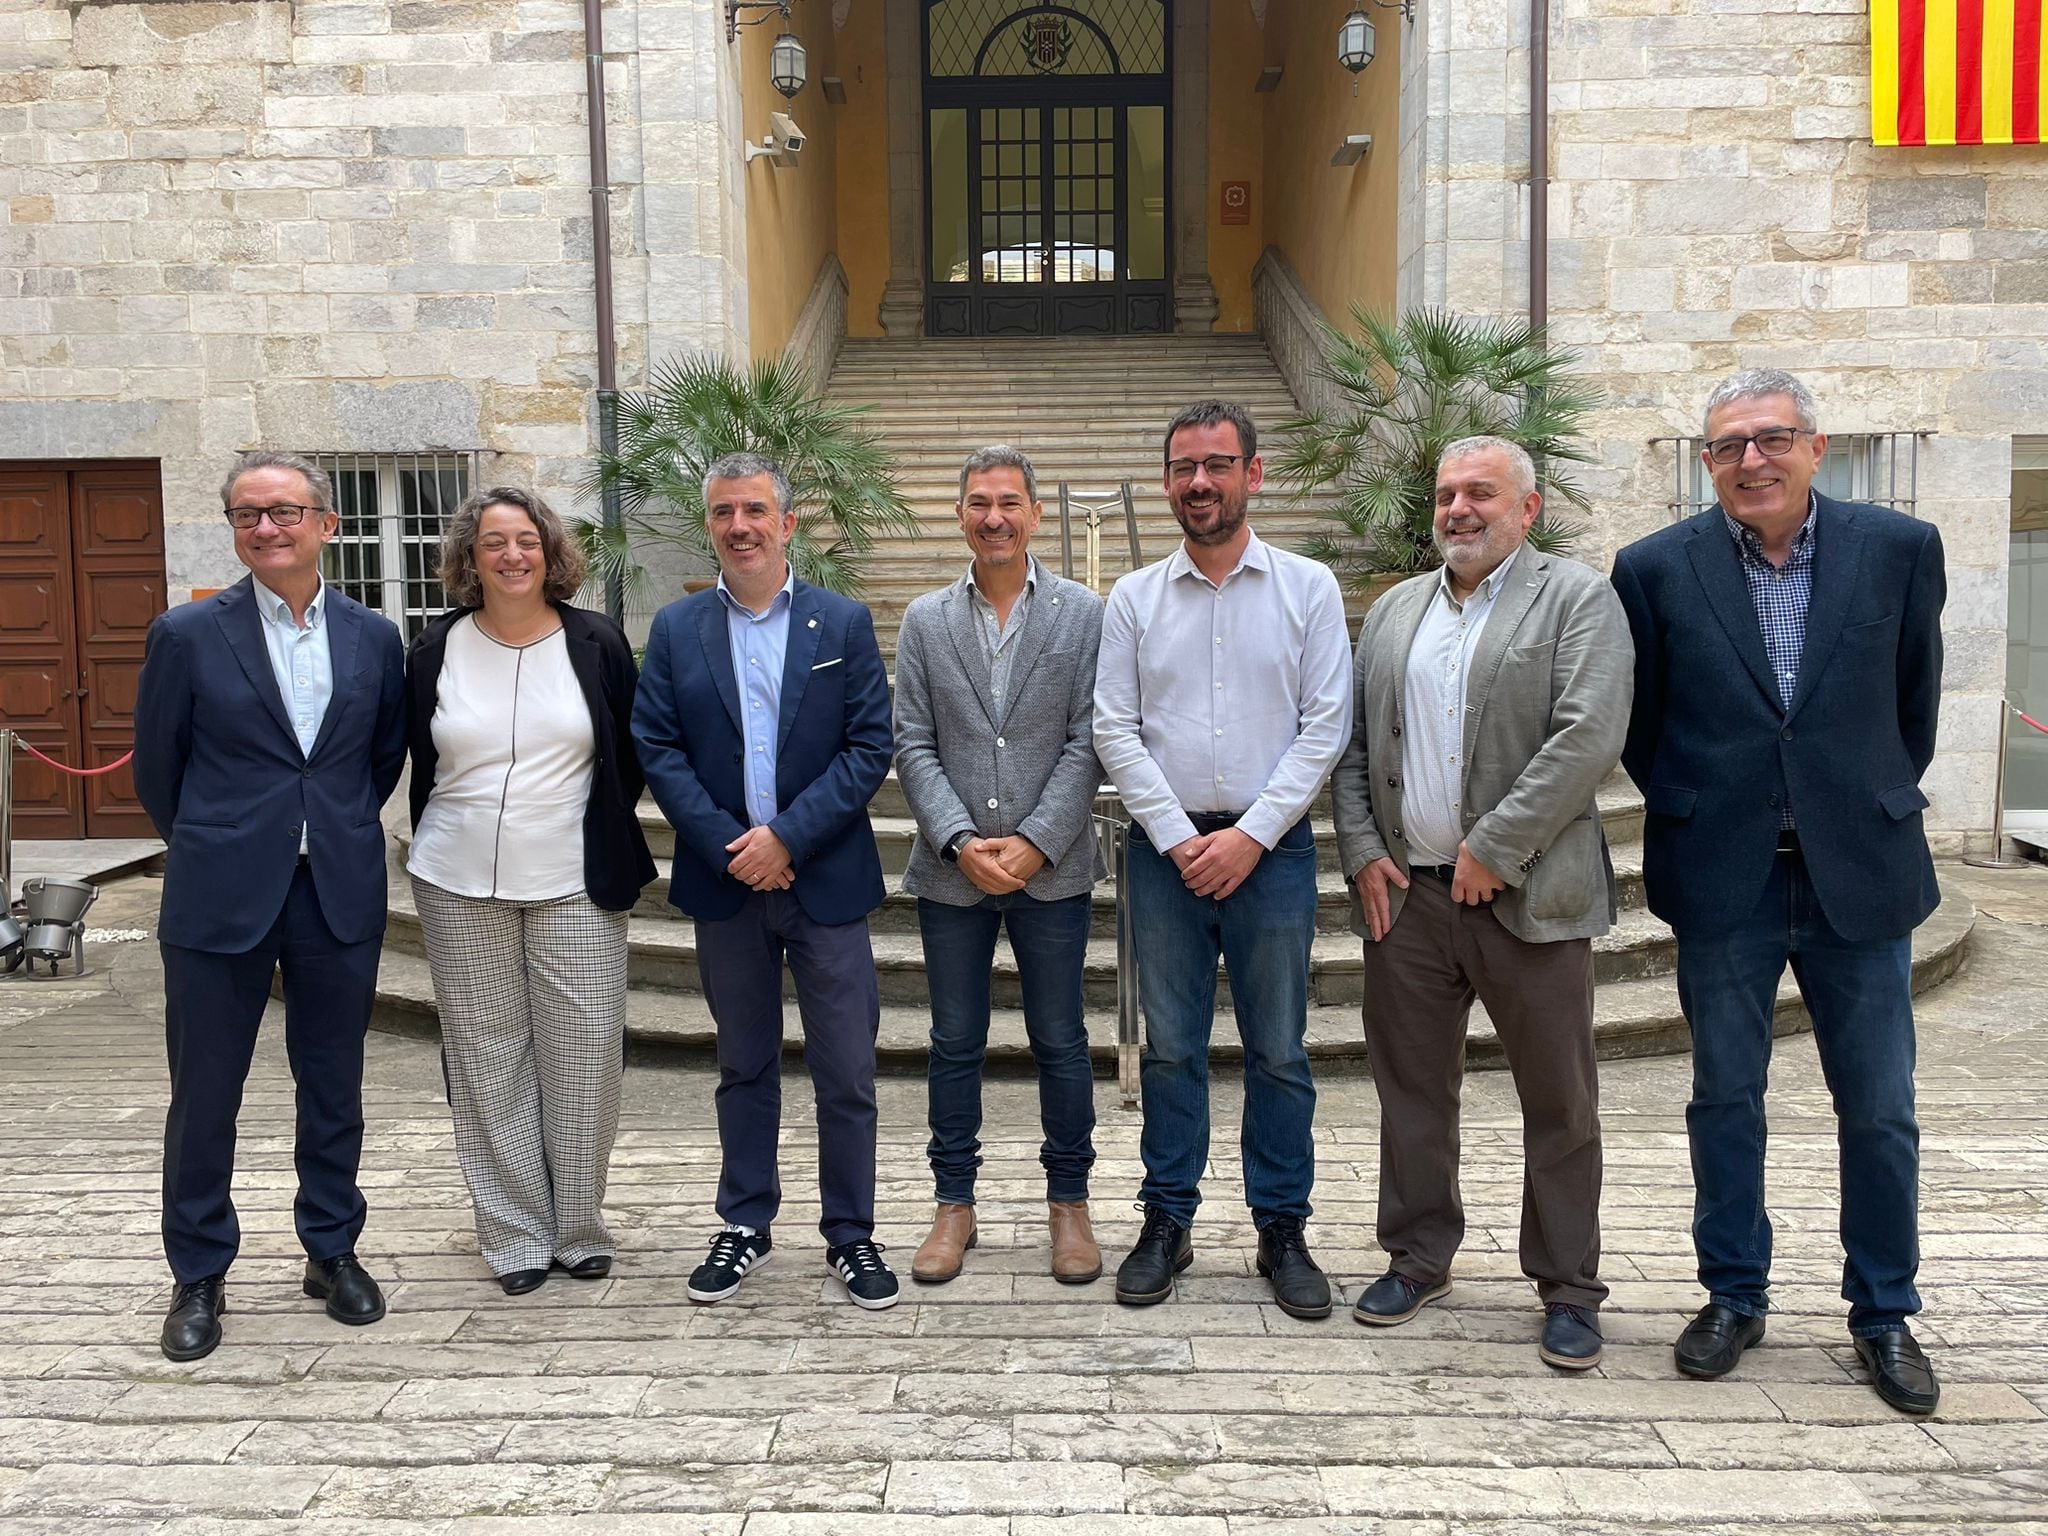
column 789, row 139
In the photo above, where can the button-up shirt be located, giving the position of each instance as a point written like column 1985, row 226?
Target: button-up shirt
column 996, row 634
column 301, row 662
column 1782, row 594
column 759, row 643
column 1230, row 697
column 1433, row 710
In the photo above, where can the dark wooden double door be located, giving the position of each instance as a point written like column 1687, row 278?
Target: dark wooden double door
column 81, row 578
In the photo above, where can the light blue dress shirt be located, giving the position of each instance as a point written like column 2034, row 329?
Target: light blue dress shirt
column 301, row 662
column 759, row 643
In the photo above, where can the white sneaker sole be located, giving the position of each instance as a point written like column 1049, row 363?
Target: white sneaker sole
column 710, row 1296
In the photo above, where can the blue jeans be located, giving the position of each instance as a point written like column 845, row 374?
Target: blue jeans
column 1262, row 930
column 1860, row 997
column 1050, row 940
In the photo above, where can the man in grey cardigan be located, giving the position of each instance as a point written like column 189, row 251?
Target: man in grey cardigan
column 1492, row 698
column 995, row 740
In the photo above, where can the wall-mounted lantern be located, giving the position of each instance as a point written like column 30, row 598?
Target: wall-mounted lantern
column 787, row 66
column 1356, row 44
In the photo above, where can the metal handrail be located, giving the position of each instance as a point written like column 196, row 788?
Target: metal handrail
column 1093, row 505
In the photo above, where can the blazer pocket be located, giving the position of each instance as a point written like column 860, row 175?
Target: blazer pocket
column 835, row 661
column 1902, row 800
column 1669, row 800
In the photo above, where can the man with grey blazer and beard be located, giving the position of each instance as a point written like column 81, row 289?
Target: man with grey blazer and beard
column 995, row 679
column 1492, row 698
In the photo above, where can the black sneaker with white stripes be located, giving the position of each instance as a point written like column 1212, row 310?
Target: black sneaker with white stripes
column 734, row 1252
column 870, row 1283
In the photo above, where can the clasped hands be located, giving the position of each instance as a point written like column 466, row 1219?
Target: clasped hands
column 760, row 861
column 1000, row 865
column 1214, row 864
column 1472, row 884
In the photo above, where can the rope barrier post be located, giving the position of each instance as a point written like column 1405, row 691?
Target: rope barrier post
column 6, row 819
column 1998, row 860
column 1115, row 833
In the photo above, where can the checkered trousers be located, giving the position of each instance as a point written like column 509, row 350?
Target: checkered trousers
column 533, row 1014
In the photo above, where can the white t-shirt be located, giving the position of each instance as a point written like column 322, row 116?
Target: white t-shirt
column 513, row 733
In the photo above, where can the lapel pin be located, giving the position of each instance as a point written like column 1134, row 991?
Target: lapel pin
column 813, row 624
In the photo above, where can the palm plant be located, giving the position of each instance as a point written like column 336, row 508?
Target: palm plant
column 1408, row 388
column 696, row 409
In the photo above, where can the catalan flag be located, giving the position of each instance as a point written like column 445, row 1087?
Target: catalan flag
column 1956, row 72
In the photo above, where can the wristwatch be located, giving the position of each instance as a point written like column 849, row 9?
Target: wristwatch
column 951, row 852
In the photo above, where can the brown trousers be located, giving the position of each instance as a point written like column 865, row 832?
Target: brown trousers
column 1419, row 984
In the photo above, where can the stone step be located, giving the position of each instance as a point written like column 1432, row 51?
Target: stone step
column 1631, row 1018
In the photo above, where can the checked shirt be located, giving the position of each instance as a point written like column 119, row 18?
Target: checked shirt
column 1781, row 594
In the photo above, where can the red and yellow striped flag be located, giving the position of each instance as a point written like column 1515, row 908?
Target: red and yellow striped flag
column 1956, row 72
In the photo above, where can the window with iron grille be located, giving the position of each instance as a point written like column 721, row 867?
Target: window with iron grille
column 393, row 507
column 1882, row 468
column 966, row 38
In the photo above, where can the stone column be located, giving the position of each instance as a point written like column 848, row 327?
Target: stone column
column 1194, row 295
column 903, row 294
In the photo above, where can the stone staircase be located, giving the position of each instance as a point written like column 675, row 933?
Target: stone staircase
column 1092, row 412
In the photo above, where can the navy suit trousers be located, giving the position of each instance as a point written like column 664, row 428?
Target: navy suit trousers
column 213, row 1006
column 833, row 965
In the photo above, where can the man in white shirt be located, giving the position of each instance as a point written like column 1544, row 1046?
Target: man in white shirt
column 1222, row 701
column 1493, row 697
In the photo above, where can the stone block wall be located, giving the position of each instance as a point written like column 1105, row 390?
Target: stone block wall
column 1716, row 204
column 343, row 226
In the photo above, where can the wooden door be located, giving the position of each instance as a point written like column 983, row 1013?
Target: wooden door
column 81, row 577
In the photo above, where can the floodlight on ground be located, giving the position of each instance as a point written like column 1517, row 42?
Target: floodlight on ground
column 55, row 908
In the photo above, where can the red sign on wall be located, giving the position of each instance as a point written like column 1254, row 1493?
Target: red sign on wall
column 1237, row 202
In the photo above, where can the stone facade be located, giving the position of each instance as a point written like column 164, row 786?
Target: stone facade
column 336, row 226
column 1716, row 204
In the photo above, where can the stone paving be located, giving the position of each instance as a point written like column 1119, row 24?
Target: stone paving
column 1001, row 1404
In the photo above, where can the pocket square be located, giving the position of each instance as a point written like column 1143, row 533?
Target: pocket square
column 821, row 666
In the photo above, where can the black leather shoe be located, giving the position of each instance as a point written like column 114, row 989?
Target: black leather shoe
column 1299, row 1284
column 1900, row 1370
column 192, row 1329
column 1163, row 1250
column 1714, row 1341
column 352, row 1296
column 596, row 1267
column 1394, row 1298
column 1571, row 1337
column 519, row 1281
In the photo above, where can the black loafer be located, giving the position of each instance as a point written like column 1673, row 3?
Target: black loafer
column 520, row 1281
column 351, row 1295
column 596, row 1267
column 1714, row 1341
column 1164, row 1248
column 1900, row 1370
column 1571, row 1337
column 192, row 1328
column 1299, row 1284
column 1394, row 1298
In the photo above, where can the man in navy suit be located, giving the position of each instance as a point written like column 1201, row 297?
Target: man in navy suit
column 269, row 730
column 762, row 720
column 1788, row 676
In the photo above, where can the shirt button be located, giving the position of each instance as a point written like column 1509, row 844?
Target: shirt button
column 1219, row 639
column 1219, row 733
column 992, row 802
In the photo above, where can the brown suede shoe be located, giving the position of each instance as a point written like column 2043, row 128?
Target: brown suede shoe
column 952, row 1235
column 1075, row 1258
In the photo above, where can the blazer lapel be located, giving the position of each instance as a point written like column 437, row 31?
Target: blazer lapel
column 1837, row 556
column 1511, row 604
column 1028, row 646
column 717, row 642
column 1719, row 568
column 961, row 620
column 242, row 626
column 1409, row 624
column 586, row 664
column 798, row 655
column 344, row 631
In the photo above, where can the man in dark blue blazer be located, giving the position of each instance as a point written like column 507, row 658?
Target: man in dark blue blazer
column 1788, row 678
column 762, row 721
column 269, row 731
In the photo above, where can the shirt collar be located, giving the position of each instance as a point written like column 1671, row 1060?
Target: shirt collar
column 278, row 611
column 1489, row 586
column 1746, row 537
column 1256, row 557
column 1030, row 577
column 785, row 597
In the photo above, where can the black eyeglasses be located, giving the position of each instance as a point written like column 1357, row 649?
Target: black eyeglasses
column 1180, row 471
column 1773, row 443
column 282, row 516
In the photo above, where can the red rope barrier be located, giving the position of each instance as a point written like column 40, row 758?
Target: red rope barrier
column 76, row 773
column 2037, row 725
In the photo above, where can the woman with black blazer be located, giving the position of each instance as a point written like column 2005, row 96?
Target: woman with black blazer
column 526, row 857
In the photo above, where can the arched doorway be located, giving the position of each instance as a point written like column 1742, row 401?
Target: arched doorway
column 1047, row 140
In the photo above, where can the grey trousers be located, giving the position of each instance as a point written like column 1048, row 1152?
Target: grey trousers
column 533, row 1016
column 1419, row 984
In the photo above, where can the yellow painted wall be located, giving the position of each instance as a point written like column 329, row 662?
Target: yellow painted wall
column 863, row 192
column 792, row 211
column 1335, row 224
column 1237, row 140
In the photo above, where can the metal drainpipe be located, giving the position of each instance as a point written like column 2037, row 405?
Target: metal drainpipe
column 1539, row 163
column 601, row 260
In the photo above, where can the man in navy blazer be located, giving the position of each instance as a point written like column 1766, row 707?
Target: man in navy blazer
column 1788, row 677
column 762, row 720
column 269, row 731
